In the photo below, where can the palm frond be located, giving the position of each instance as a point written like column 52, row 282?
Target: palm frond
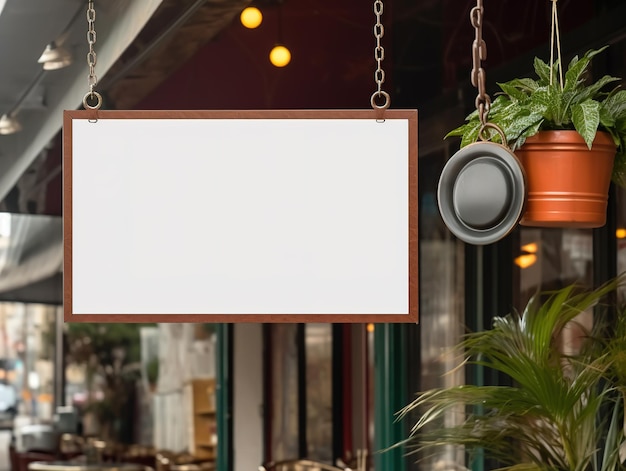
column 554, row 409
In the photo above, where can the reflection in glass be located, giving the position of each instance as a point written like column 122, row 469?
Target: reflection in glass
column 31, row 250
column 319, row 408
column 562, row 256
column 27, row 360
column 284, row 387
column 442, row 299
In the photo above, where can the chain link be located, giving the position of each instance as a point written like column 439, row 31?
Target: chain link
column 479, row 53
column 92, row 59
column 91, row 40
column 379, row 56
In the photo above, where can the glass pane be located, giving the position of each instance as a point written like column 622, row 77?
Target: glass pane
column 284, row 391
column 27, row 361
column 319, row 420
column 553, row 258
column 442, row 300
column 620, row 234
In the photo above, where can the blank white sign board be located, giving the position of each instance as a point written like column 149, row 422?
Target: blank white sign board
column 257, row 216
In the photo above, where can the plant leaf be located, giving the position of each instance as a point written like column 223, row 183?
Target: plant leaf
column 471, row 134
column 615, row 104
column 542, row 70
column 592, row 91
column 586, row 118
column 519, row 89
column 577, row 68
column 547, row 99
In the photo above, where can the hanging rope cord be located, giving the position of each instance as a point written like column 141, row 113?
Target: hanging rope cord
column 555, row 41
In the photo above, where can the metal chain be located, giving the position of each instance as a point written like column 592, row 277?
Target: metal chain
column 479, row 53
column 379, row 56
column 92, row 59
column 478, row 77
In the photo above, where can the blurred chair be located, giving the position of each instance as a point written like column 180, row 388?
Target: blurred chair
column 169, row 461
column 36, row 437
column 22, row 459
column 163, row 461
column 140, row 454
column 299, row 465
column 71, row 445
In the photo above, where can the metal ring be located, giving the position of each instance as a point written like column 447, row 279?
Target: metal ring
column 385, row 105
column 98, row 101
column 496, row 128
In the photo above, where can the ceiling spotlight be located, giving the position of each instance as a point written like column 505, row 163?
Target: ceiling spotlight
column 280, row 56
column 9, row 125
column 251, row 17
column 55, row 57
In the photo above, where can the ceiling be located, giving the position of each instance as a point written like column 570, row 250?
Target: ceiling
column 26, row 27
column 138, row 45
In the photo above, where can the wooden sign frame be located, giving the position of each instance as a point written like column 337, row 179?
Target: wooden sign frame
column 336, row 241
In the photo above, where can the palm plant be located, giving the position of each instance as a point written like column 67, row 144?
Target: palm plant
column 563, row 411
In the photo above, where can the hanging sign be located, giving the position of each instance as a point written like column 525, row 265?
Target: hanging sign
column 240, row 216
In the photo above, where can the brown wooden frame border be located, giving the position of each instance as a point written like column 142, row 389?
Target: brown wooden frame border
column 409, row 115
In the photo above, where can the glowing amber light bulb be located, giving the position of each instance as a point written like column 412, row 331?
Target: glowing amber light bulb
column 524, row 261
column 280, row 56
column 530, row 248
column 251, row 17
column 620, row 233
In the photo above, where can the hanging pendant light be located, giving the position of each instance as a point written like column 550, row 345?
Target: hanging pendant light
column 251, row 17
column 55, row 57
column 9, row 125
column 280, row 56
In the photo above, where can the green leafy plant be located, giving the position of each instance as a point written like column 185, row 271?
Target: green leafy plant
column 152, row 370
column 563, row 411
column 525, row 106
column 111, row 355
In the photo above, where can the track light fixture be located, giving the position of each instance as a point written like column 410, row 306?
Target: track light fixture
column 9, row 125
column 55, row 57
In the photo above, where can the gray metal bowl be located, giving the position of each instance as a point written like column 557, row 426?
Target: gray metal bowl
column 481, row 193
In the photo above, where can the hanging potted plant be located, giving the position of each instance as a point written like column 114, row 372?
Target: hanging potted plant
column 569, row 135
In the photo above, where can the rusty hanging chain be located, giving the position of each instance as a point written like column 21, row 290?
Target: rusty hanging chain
column 478, row 76
column 92, row 58
column 379, row 56
column 479, row 53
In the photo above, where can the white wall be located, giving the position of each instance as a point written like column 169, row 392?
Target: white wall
column 247, row 397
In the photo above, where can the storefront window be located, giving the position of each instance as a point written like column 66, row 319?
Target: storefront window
column 319, row 408
column 27, row 345
column 553, row 258
column 442, row 301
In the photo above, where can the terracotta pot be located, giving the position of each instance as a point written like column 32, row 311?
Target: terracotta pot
column 567, row 184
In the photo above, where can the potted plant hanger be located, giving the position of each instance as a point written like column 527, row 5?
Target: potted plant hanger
column 569, row 135
column 565, row 407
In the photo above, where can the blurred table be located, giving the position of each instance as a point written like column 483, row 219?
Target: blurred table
column 82, row 466
column 204, row 466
